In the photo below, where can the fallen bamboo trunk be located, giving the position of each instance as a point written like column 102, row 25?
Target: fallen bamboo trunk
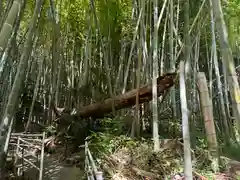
column 128, row 99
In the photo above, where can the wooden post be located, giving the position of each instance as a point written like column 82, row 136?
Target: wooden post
column 87, row 164
column 16, row 155
column 42, row 158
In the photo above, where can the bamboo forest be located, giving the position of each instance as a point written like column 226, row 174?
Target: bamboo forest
column 119, row 89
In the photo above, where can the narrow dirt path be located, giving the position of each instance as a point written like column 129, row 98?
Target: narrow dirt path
column 56, row 170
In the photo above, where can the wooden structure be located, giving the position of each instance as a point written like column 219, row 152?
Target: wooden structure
column 27, row 151
column 90, row 166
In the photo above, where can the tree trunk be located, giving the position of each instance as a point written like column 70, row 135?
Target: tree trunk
column 228, row 62
column 8, row 25
column 185, row 125
column 128, row 99
column 218, row 77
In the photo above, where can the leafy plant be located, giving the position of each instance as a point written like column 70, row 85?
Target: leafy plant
column 50, row 130
column 106, row 143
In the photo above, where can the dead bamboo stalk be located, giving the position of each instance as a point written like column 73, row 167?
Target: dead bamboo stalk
column 207, row 108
